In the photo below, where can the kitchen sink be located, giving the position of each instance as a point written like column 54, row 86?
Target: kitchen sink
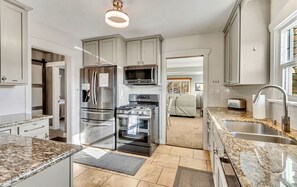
column 256, row 132
column 264, row 138
column 249, row 127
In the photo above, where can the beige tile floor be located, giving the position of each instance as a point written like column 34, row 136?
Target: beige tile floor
column 158, row 171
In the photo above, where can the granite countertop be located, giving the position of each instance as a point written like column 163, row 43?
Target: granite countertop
column 18, row 119
column 22, row 157
column 257, row 163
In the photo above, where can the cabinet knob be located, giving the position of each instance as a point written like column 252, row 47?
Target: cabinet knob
column 4, row 78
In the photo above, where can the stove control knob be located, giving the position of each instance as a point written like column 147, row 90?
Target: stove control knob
column 132, row 112
column 140, row 112
column 144, row 112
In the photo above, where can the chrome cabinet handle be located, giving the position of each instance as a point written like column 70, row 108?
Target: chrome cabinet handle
column 34, row 129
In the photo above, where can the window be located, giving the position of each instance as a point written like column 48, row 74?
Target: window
column 289, row 58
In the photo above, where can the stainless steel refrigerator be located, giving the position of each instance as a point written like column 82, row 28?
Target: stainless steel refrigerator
column 98, row 102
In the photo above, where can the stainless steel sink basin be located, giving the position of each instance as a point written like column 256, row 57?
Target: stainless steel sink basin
column 249, row 127
column 264, row 138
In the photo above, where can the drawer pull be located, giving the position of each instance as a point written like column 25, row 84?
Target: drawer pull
column 34, row 129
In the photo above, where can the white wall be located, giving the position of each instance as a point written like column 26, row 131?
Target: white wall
column 215, row 42
column 49, row 39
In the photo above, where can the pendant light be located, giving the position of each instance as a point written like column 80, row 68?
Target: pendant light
column 116, row 17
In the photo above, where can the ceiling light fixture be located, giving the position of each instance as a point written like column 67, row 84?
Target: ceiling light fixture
column 116, row 17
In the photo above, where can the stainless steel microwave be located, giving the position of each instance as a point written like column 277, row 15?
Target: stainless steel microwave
column 141, row 75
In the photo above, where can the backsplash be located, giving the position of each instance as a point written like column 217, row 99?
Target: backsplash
column 275, row 111
column 12, row 100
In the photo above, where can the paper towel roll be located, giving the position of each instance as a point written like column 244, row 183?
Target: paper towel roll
column 259, row 107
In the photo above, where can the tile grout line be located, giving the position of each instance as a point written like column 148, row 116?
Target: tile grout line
column 107, row 179
column 160, row 174
column 80, row 174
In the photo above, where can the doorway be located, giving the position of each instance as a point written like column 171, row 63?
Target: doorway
column 49, row 90
column 184, row 101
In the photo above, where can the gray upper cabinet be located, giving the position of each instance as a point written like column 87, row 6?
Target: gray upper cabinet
column 110, row 50
column 144, row 51
column 13, row 44
column 247, row 44
column 133, row 53
column 90, row 54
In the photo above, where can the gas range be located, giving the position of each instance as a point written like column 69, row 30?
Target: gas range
column 138, row 124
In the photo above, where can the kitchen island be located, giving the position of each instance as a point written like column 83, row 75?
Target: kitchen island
column 256, row 163
column 27, row 161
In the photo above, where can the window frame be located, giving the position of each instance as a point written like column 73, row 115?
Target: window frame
column 282, row 47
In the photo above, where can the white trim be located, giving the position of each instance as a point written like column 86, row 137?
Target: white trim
column 177, row 54
column 69, row 65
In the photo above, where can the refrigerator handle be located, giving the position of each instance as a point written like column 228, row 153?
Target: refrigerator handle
column 92, row 88
column 95, row 87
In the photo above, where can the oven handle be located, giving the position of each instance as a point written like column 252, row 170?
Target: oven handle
column 127, row 116
column 96, row 124
column 91, row 112
column 152, row 74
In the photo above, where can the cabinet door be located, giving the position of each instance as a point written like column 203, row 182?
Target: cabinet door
column 13, row 20
column 90, row 54
column 234, row 43
column 227, row 58
column 107, row 51
column 149, row 51
column 133, row 53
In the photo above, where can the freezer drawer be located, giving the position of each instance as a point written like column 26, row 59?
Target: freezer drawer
column 93, row 132
column 97, row 114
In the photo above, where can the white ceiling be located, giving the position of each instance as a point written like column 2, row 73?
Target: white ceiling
column 171, row 18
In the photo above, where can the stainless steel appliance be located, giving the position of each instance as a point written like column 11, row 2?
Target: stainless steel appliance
column 138, row 124
column 98, row 101
column 237, row 104
column 141, row 75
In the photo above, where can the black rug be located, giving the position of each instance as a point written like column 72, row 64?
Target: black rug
column 111, row 161
column 193, row 178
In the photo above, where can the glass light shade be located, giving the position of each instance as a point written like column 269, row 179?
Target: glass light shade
column 117, row 19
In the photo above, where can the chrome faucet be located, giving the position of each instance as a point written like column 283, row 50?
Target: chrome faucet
column 285, row 118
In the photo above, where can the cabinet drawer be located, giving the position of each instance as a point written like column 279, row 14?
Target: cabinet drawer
column 34, row 128
column 9, row 130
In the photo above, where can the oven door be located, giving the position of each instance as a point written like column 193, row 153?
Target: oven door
column 134, row 129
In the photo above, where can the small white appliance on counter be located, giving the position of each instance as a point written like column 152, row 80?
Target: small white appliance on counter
column 236, row 104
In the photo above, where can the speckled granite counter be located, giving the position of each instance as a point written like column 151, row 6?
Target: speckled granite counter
column 257, row 163
column 22, row 157
column 18, row 119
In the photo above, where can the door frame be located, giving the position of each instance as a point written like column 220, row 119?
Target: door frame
column 69, row 54
column 183, row 54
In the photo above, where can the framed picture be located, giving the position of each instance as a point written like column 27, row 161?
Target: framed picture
column 198, row 86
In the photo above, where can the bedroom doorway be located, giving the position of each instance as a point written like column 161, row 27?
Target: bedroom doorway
column 184, row 102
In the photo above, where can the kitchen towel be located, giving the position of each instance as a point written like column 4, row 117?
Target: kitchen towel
column 259, row 111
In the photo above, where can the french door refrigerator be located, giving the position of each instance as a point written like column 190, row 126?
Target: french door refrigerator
column 98, row 102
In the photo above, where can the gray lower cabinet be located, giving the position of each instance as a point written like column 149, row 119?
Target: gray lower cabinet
column 57, row 175
column 13, row 56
